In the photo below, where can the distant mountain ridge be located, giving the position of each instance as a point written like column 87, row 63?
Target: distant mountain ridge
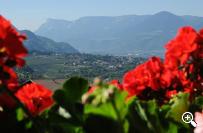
column 120, row 35
column 44, row 44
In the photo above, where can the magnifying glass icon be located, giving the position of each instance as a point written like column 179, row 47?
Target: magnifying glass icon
column 187, row 117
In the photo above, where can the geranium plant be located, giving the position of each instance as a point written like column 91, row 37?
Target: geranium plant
column 151, row 98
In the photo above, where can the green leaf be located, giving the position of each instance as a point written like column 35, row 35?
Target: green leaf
column 120, row 104
column 28, row 125
column 70, row 96
column 62, row 98
column 137, row 118
column 199, row 102
column 151, row 110
column 126, row 126
column 173, row 128
column 115, row 107
column 110, row 104
column 179, row 105
column 72, row 91
column 74, row 109
column 74, row 88
column 141, row 112
column 19, row 114
column 105, row 109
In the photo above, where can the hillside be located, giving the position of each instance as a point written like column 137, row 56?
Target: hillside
column 140, row 35
column 44, row 44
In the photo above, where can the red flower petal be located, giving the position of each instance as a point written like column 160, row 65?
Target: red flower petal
column 35, row 97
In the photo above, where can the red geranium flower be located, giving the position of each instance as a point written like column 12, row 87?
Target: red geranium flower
column 167, row 77
column 11, row 40
column 35, row 97
column 180, row 48
column 11, row 53
column 143, row 76
column 199, row 52
column 9, row 78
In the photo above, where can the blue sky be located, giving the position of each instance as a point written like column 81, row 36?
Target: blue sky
column 29, row 14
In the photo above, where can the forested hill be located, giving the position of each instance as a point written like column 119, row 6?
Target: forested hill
column 44, row 44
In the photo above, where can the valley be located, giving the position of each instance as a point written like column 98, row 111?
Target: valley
column 46, row 67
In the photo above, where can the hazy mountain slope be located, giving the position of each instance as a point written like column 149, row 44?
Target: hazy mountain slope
column 121, row 35
column 43, row 44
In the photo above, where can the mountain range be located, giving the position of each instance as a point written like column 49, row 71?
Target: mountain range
column 44, row 44
column 140, row 35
